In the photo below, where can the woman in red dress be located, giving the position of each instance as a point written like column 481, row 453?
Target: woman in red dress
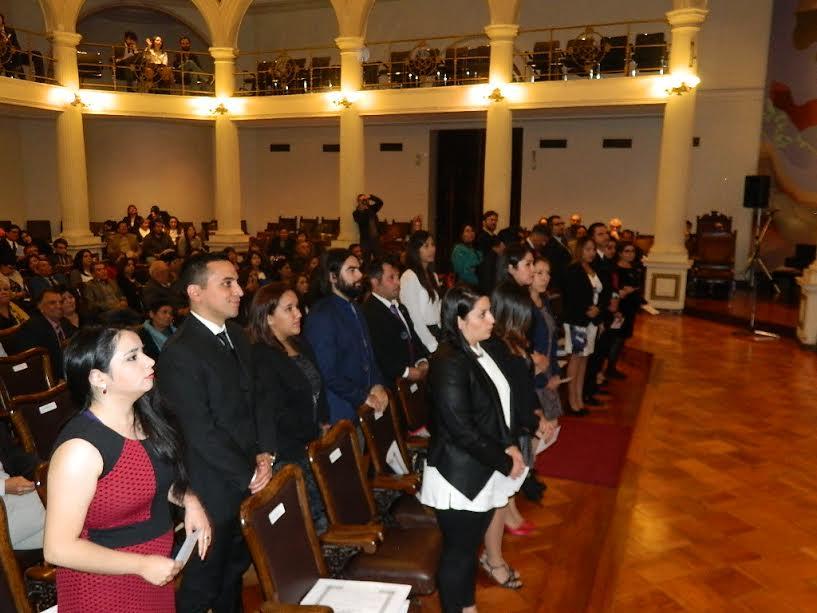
column 115, row 469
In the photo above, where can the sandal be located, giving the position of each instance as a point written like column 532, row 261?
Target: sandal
column 513, row 581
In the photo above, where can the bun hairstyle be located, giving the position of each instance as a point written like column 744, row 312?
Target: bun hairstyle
column 457, row 303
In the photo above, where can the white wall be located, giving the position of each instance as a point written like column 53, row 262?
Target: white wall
column 11, row 171
column 145, row 163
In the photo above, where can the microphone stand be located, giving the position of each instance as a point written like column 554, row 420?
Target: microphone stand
column 754, row 262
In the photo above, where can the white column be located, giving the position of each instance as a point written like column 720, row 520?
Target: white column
column 668, row 262
column 227, row 159
column 498, row 125
column 72, row 178
column 352, row 162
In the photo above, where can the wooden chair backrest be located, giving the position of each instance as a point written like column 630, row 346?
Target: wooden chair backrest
column 381, row 429
column 715, row 249
column 25, row 373
column 337, row 463
column 13, row 598
column 290, row 223
column 413, row 401
column 38, row 418
column 277, row 525
column 713, row 222
column 41, row 481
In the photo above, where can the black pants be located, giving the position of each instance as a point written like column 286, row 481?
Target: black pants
column 463, row 532
column 596, row 361
column 215, row 583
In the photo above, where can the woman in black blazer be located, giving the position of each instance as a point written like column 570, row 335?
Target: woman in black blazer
column 472, row 451
column 290, row 396
column 581, row 315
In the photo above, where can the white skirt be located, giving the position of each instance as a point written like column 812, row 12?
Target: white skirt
column 580, row 340
column 438, row 493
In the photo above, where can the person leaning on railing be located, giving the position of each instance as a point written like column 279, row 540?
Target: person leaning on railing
column 124, row 59
column 186, row 66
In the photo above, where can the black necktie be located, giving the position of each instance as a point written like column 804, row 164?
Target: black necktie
column 224, row 339
column 406, row 331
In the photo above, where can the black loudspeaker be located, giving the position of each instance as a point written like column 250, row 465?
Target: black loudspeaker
column 756, row 191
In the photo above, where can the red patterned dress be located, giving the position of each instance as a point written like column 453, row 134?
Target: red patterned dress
column 129, row 512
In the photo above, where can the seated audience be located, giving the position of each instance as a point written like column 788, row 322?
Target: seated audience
column 60, row 256
column 46, row 328
column 420, row 288
column 10, row 314
column 116, row 467
column 70, row 312
column 44, row 278
column 157, row 328
column 255, row 263
column 157, row 245
column 11, row 245
column 127, row 282
column 189, row 241
column 159, row 287
column 174, row 230
column 290, row 395
column 122, row 243
column 83, row 269
column 157, row 214
column 398, row 350
column 337, row 330
column 26, row 515
column 102, row 294
column 472, row 452
column 17, row 285
column 465, row 258
column 281, row 245
column 144, row 229
column 282, row 271
column 302, row 255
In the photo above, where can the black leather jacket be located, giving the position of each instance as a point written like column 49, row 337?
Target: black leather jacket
column 469, row 435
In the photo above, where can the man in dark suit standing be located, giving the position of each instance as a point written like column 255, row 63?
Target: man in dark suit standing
column 337, row 330
column 557, row 252
column 47, row 328
column 398, row 350
column 366, row 217
column 205, row 375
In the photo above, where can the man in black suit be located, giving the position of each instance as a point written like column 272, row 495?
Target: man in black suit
column 537, row 239
column 45, row 278
column 398, row 350
column 486, row 234
column 557, row 252
column 47, row 328
column 366, row 217
column 205, row 375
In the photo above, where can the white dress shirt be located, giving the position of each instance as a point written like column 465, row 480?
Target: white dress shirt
column 424, row 312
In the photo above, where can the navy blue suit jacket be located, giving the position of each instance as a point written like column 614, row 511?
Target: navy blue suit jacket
column 344, row 353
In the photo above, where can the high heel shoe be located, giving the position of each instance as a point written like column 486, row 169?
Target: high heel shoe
column 520, row 530
column 513, row 582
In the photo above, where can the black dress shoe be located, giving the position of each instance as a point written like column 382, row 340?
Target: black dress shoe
column 576, row 412
column 593, row 402
column 615, row 374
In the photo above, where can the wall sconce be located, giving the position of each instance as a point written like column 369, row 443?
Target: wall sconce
column 496, row 95
column 221, row 109
column 343, row 102
column 77, row 103
column 680, row 85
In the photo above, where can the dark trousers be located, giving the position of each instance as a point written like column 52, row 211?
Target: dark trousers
column 215, row 582
column 596, row 361
column 463, row 532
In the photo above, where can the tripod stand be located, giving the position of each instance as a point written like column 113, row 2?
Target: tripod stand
column 754, row 262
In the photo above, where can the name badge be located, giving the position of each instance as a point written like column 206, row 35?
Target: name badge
column 19, row 367
column 277, row 513
column 48, row 407
column 335, row 455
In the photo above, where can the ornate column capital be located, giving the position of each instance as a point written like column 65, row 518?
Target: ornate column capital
column 222, row 54
column 692, row 18
column 64, row 39
column 350, row 44
column 502, row 31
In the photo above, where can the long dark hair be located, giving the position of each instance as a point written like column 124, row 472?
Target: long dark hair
column 425, row 273
column 78, row 259
column 512, row 308
column 263, row 304
column 92, row 347
column 457, row 303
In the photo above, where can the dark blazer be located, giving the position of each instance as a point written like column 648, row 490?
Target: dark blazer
column 154, row 244
column 211, row 394
column 577, row 296
column 38, row 332
column 343, row 348
column 133, row 225
column 468, row 432
column 286, row 419
column 279, row 247
column 37, row 284
column 518, row 370
column 389, row 340
column 16, row 462
column 484, row 241
column 367, row 221
column 559, row 257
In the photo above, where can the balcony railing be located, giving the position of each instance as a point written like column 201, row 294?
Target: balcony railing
column 287, row 71
column 110, row 67
column 593, row 51
column 26, row 55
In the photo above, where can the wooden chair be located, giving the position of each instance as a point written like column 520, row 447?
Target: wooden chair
column 38, row 418
column 650, row 52
column 285, row 550
column 9, row 335
column 25, row 373
column 382, row 432
column 714, row 263
column 412, row 397
column 546, row 60
column 407, row 556
column 308, row 225
column 713, row 222
column 615, row 60
column 331, row 226
column 290, row 223
column 13, row 594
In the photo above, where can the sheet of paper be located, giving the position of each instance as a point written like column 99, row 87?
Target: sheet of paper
column 358, row 596
column 544, row 444
column 395, row 459
column 650, row 309
column 187, row 547
column 51, row 610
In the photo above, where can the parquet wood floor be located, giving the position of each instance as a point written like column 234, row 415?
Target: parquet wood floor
column 717, row 508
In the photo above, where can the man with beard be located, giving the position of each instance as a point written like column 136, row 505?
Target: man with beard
column 336, row 328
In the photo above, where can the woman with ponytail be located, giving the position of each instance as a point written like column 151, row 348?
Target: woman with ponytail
column 116, row 468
